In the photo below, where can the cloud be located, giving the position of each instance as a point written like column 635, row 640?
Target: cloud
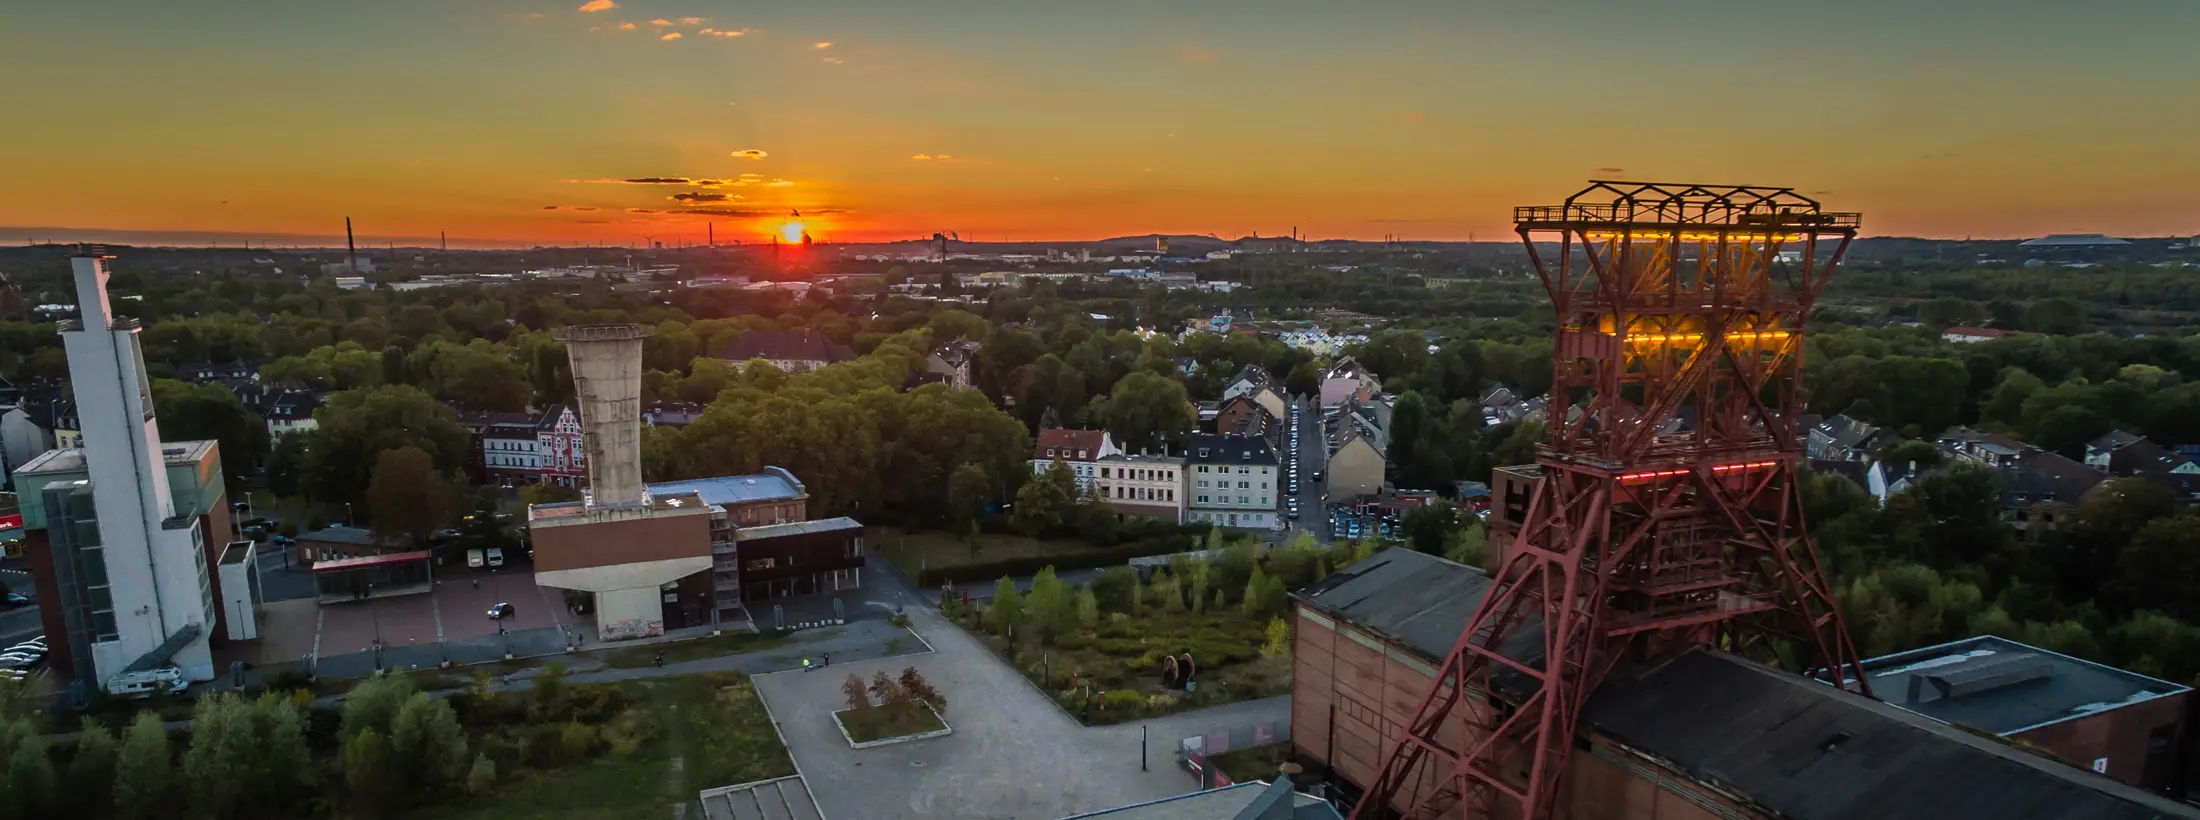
column 698, row 196
column 640, row 211
column 779, row 183
column 835, row 61
column 822, row 44
column 549, row 207
column 649, row 181
column 626, row 26
column 1610, row 170
column 670, row 36
column 922, row 156
column 709, row 183
column 598, row 5
column 660, row 22
column 584, row 207
column 1191, row 53
column 752, row 211
column 944, row 157
column 750, row 153
column 752, row 176
column 691, row 21
column 712, row 32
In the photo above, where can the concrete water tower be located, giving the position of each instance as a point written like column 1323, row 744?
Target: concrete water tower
column 607, row 381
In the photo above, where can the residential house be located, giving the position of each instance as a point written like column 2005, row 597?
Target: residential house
column 1142, row 486
column 2038, row 488
column 39, row 422
column 1357, row 444
column 289, row 411
column 956, row 362
column 1233, row 481
column 793, row 351
column 1243, row 413
column 1500, row 406
column 506, row 450
column 558, row 441
column 2098, row 451
column 226, row 372
column 2146, row 458
column 1248, row 379
column 1974, row 335
column 1080, row 449
column 1843, row 438
column 671, row 413
column 1346, row 381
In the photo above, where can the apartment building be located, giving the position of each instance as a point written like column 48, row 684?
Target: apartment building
column 1142, row 486
column 1232, row 481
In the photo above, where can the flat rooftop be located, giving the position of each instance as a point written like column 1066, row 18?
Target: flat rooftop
column 840, row 524
column 71, row 459
column 1233, row 802
column 2005, row 687
column 654, row 503
column 736, row 489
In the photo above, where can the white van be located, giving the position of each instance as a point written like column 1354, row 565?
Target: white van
column 496, row 556
column 473, row 559
column 148, row 683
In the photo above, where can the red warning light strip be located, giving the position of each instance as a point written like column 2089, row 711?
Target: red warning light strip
column 1654, row 475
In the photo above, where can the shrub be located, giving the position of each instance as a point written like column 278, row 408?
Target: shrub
column 858, row 697
column 1088, row 608
column 1123, row 700
column 887, row 691
column 142, row 770
column 30, row 777
column 1007, row 609
column 914, row 683
column 577, row 741
column 542, row 745
column 483, row 776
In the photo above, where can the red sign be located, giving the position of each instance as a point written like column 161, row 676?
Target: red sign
column 11, row 521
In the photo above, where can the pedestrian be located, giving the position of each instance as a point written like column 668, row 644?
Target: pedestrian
column 805, row 664
column 660, row 659
column 477, row 583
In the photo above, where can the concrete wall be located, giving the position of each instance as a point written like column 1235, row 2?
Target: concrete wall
column 1356, row 469
column 632, row 539
column 629, row 613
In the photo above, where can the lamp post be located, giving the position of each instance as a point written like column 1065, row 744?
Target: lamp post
column 376, row 613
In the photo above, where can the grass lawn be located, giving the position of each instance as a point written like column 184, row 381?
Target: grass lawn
column 881, row 722
column 728, row 643
column 693, row 732
column 912, row 552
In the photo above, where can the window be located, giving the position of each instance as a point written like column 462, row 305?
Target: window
column 1103, row 472
column 1203, row 499
column 1244, row 484
column 1244, row 500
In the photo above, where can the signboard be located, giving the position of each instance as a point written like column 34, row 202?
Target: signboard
column 11, row 521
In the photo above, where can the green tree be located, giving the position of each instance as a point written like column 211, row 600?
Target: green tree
column 1007, row 609
column 210, row 411
column 1276, row 639
column 425, row 735
column 217, row 766
column 1256, row 593
column 374, row 703
column 143, row 770
column 356, row 426
column 369, row 774
column 2161, row 567
column 1052, row 605
column 1950, row 311
column 30, row 784
column 482, row 778
column 89, row 787
column 407, row 496
column 1304, row 380
column 1146, row 412
column 969, row 491
column 1088, row 608
column 1047, row 502
column 1429, row 528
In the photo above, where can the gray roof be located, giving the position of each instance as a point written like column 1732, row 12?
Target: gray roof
column 774, row 484
column 783, row 799
column 1797, row 748
column 840, row 524
column 2004, row 686
column 1211, row 448
column 343, row 535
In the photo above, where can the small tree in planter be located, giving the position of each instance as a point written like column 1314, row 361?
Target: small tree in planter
column 917, row 688
column 888, row 691
column 858, row 698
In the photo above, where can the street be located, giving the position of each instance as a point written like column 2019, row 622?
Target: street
column 1313, row 457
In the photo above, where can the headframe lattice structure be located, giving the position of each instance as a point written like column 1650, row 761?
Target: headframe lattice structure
column 1666, row 517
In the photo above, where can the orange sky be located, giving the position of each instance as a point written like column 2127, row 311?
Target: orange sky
column 509, row 122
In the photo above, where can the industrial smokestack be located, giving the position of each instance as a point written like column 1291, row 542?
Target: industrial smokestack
column 607, row 379
column 351, row 251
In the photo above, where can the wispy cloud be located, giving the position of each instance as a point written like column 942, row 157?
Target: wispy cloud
column 691, row 21
column 822, row 44
column 598, row 5
column 737, row 210
column 750, row 153
column 672, row 35
column 713, row 32
column 934, row 157
column 549, row 207
column 922, row 156
column 698, row 196
column 779, row 183
column 660, row 22
column 835, row 61
column 1610, row 170
column 640, row 211
column 626, row 26
column 643, row 181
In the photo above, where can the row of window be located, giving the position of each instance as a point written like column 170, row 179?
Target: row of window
column 1144, row 494
column 1224, row 485
column 1134, row 474
column 1224, row 499
column 1222, row 469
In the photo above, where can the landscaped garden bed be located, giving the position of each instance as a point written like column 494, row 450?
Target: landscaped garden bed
column 1197, row 634
column 891, row 710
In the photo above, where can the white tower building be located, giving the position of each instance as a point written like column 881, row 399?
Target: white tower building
column 157, row 603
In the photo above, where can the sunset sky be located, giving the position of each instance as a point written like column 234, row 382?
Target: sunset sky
column 513, row 121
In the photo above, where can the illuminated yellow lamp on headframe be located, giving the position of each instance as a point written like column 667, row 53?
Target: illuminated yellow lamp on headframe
column 1691, row 236
column 1736, row 336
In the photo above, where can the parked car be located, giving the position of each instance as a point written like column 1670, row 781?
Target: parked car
column 474, row 559
column 495, row 556
column 16, row 599
column 500, row 611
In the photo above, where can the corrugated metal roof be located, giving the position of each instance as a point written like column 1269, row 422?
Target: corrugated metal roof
column 1797, row 748
column 1985, row 688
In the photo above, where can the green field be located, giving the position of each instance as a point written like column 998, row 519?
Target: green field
column 944, row 557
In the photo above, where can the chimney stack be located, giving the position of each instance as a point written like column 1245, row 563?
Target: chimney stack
column 607, row 380
column 351, row 250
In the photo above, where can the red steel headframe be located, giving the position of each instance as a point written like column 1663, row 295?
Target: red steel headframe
column 1666, row 517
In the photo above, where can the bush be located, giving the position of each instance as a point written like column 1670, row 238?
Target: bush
column 1068, row 560
column 483, row 776
column 1122, row 700
column 577, row 741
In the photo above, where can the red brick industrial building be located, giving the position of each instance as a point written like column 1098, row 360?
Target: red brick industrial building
column 1706, row 735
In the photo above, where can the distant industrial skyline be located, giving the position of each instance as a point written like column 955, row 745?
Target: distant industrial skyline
column 517, row 122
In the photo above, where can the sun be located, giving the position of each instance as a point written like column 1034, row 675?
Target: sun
column 790, row 232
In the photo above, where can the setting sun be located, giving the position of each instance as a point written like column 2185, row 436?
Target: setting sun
column 790, row 232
